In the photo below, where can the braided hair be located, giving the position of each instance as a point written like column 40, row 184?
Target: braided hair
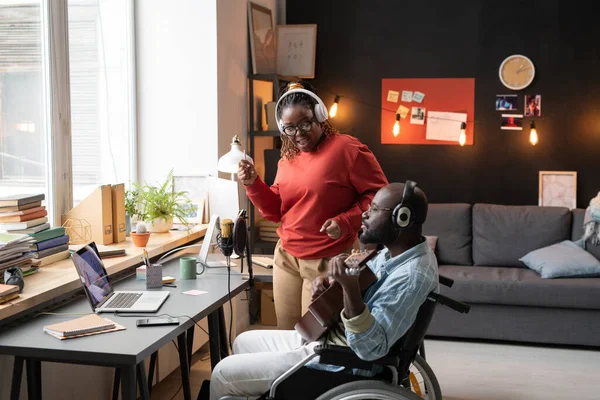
column 288, row 148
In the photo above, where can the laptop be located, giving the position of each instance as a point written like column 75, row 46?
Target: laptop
column 99, row 291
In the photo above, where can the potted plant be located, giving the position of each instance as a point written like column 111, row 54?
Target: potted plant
column 159, row 204
column 131, row 208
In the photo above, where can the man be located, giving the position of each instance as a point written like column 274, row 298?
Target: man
column 407, row 272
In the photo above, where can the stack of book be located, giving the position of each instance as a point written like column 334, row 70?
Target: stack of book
column 14, row 252
column 104, row 251
column 91, row 324
column 8, row 293
column 23, row 213
column 267, row 230
column 49, row 246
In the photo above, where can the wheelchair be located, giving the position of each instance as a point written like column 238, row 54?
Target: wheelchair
column 403, row 374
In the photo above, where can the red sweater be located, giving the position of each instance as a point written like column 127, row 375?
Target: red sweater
column 337, row 181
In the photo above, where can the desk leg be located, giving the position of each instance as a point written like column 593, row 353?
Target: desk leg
column 142, row 381
column 15, row 389
column 224, row 345
column 128, row 382
column 151, row 370
column 34, row 379
column 213, row 338
column 190, row 344
column 184, row 366
column 116, row 384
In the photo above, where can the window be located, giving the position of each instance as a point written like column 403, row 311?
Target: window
column 101, row 73
column 23, row 129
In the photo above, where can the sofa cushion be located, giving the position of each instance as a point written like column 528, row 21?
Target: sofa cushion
column 503, row 234
column 577, row 223
column 451, row 223
column 564, row 259
column 519, row 286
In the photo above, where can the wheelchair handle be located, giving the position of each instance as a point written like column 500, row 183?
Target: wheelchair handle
column 446, row 281
column 453, row 304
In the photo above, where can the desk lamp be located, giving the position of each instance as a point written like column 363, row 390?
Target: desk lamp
column 229, row 162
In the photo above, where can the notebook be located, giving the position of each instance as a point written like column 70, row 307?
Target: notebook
column 5, row 290
column 89, row 323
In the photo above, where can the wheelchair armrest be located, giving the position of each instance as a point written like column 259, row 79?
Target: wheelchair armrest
column 344, row 356
column 444, row 280
column 453, row 304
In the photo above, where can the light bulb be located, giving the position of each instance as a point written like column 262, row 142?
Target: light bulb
column 462, row 138
column 334, row 107
column 396, row 129
column 533, row 136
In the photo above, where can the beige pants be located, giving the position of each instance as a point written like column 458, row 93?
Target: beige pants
column 292, row 280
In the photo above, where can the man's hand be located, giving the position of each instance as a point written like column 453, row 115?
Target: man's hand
column 332, row 228
column 246, row 173
column 319, row 285
column 337, row 270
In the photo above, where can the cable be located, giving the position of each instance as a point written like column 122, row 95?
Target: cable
column 180, row 386
column 177, row 249
column 230, row 305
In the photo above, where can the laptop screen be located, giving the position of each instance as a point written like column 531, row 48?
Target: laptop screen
column 92, row 274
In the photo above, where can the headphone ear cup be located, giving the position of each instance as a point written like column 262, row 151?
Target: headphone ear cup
column 321, row 113
column 402, row 217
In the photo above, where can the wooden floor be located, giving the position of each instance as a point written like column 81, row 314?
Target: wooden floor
column 474, row 371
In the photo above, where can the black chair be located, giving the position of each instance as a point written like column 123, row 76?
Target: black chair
column 303, row 383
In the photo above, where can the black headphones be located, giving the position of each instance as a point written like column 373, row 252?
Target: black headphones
column 14, row 276
column 403, row 216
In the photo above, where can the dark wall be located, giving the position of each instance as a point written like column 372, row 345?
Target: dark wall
column 361, row 42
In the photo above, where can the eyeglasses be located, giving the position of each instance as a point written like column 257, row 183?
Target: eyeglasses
column 304, row 127
column 373, row 207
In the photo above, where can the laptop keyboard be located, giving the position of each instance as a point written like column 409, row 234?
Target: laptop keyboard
column 123, row 300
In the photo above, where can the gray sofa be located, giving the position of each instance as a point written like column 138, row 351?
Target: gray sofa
column 479, row 246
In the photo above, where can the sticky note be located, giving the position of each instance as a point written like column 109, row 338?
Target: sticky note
column 407, row 96
column 195, row 292
column 418, row 96
column 393, row 96
column 403, row 111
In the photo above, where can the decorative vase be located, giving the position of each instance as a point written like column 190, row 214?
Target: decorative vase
column 127, row 225
column 159, row 225
column 140, row 239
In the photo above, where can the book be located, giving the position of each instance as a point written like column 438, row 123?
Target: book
column 22, row 212
column 118, row 213
column 46, row 244
column 268, row 239
column 20, row 199
column 103, row 251
column 265, row 262
column 24, row 217
column 6, row 290
column 49, row 251
column 47, row 234
column 8, row 298
column 96, row 209
column 42, row 262
column 22, row 207
column 23, row 225
column 87, row 324
column 10, row 238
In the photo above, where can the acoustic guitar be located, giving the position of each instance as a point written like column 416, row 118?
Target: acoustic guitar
column 324, row 311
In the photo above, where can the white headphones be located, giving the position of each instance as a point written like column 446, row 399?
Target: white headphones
column 321, row 113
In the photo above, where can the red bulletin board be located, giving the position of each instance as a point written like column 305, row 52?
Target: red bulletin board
column 441, row 94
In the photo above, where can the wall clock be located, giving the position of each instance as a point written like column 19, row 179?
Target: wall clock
column 516, row 72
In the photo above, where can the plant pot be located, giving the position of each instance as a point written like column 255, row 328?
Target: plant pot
column 159, row 225
column 127, row 225
column 140, row 239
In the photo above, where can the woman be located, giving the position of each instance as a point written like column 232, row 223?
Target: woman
column 325, row 181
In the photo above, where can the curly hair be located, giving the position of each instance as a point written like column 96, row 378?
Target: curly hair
column 288, row 148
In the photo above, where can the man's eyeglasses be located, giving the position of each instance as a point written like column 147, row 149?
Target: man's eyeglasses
column 304, row 127
column 373, row 207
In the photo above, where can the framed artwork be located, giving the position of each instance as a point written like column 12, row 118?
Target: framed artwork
column 194, row 213
column 196, row 188
column 296, row 50
column 558, row 188
column 262, row 39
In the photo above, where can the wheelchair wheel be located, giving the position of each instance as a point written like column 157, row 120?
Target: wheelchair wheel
column 422, row 380
column 368, row 390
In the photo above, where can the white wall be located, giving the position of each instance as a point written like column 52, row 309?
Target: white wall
column 176, row 50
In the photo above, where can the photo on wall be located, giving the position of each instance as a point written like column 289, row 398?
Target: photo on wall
column 533, row 105
column 506, row 102
column 417, row 116
column 512, row 122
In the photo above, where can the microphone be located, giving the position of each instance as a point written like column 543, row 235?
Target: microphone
column 225, row 237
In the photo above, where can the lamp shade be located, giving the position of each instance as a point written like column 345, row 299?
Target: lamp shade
column 229, row 162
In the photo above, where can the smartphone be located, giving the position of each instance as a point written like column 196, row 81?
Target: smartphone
column 157, row 321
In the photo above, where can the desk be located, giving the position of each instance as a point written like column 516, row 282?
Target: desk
column 127, row 349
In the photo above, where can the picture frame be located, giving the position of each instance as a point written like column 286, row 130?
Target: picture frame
column 262, row 39
column 558, row 189
column 196, row 186
column 195, row 214
column 297, row 50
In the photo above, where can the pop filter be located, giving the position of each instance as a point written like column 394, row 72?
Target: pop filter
column 240, row 233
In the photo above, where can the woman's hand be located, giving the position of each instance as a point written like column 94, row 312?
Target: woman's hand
column 319, row 285
column 246, row 172
column 332, row 228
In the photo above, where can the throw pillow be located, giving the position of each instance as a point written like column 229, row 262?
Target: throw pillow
column 432, row 242
column 564, row 259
